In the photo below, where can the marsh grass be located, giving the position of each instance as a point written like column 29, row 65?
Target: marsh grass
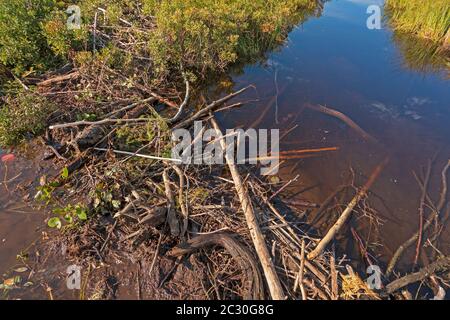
column 429, row 19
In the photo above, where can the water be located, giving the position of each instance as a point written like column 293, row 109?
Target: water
column 20, row 224
column 336, row 61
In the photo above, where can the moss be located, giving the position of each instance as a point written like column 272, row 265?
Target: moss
column 23, row 115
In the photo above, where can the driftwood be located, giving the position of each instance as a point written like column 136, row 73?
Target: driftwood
column 440, row 265
column 346, row 214
column 254, row 289
column 257, row 236
column 344, row 118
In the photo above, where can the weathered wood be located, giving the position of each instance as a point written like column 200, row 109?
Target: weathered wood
column 259, row 242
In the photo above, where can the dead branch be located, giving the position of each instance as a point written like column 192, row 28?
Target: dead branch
column 346, row 214
column 204, row 111
column 440, row 265
column 344, row 118
column 398, row 253
column 273, row 282
column 57, row 79
column 171, row 213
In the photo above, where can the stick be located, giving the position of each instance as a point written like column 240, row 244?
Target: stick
column 183, row 105
column 273, row 282
column 171, row 214
column 421, row 211
column 442, row 264
column 209, row 108
column 68, row 76
column 133, row 154
column 343, row 117
column 95, row 123
column 346, row 214
column 427, row 224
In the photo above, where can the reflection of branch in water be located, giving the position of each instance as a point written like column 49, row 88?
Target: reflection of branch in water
column 271, row 102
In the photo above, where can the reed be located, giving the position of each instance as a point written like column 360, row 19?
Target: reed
column 427, row 19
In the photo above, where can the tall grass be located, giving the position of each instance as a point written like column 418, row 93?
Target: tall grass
column 428, row 19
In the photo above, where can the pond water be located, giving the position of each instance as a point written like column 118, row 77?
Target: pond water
column 336, row 61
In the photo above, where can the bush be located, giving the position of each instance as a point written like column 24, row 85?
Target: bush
column 33, row 34
column 22, row 115
column 212, row 34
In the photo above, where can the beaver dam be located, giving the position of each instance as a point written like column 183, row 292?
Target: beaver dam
column 349, row 201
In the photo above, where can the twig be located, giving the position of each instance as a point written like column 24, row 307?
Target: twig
column 427, row 224
column 421, row 211
column 95, row 123
column 442, row 264
column 133, row 154
column 183, row 105
column 346, row 214
column 209, row 108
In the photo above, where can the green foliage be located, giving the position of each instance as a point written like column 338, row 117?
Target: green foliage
column 22, row 115
column 21, row 40
column 205, row 35
column 428, row 19
column 70, row 215
column 33, row 34
column 209, row 35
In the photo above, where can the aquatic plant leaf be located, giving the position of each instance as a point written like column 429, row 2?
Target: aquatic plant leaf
column 54, row 222
column 65, row 173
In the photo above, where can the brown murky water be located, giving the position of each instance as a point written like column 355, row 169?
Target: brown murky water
column 20, row 224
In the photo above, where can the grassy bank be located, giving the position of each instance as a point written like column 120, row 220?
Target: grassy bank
column 426, row 19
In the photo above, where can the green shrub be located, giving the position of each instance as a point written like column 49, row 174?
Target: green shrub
column 22, row 115
column 209, row 35
column 33, row 34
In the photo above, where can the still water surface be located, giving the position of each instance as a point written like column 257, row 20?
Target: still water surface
column 336, row 61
